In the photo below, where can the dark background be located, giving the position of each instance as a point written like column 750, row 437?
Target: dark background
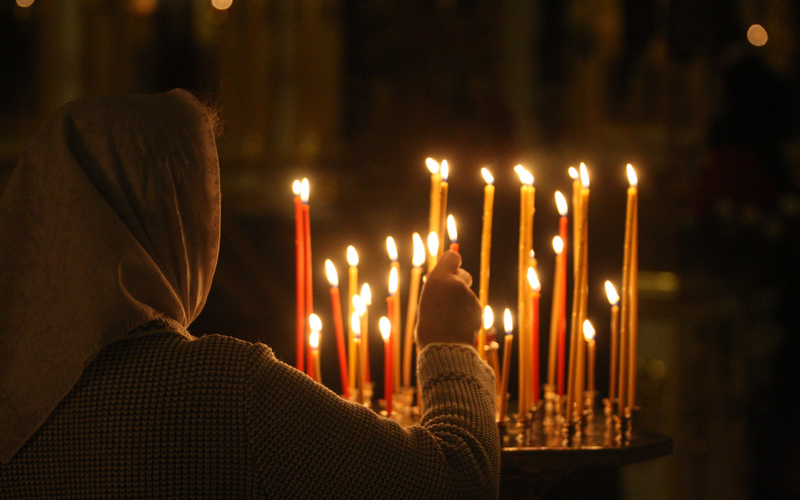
column 355, row 94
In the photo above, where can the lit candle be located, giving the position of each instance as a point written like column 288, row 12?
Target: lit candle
column 336, row 304
column 633, row 286
column 433, row 249
column 355, row 326
column 588, row 335
column 394, row 317
column 436, row 192
column 486, row 250
column 388, row 359
column 444, row 171
column 536, row 287
column 523, row 318
column 488, row 322
column 411, row 317
column 352, row 291
column 557, row 345
column 576, row 199
column 300, row 263
column 304, row 192
column 366, row 297
column 561, row 270
column 452, row 233
column 613, row 299
column 509, row 339
column 313, row 342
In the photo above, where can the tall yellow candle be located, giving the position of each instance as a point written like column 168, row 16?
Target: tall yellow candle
column 391, row 248
column 633, row 290
column 584, row 283
column 444, row 172
column 576, row 199
column 352, row 290
column 433, row 250
column 313, row 341
column 523, row 306
column 355, row 324
column 613, row 299
column 509, row 339
column 433, row 218
column 411, row 317
column 486, row 250
column 625, row 382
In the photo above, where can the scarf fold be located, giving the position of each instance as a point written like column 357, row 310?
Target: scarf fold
column 110, row 219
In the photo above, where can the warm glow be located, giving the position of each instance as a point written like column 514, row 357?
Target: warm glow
column 433, row 243
column 330, row 270
column 584, row 175
column 419, row 250
column 393, row 281
column 355, row 323
column 558, row 244
column 391, row 248
column 573, row 173
column 304, row 190
column 141, row 7
column 507, row 324
column 632, row 176
column 297, row 186
column 366, row 294
column 314, row 323
column 525, row 177
column 352, row 256
column 358, row 305
column 561, row 204
column 533, row 280
column 221, row 4
column 487, row 176
column 385, row 327
column 313, row 339
column 756, row 35
column 444, row 170
column 588, row 331
column 25, row 3
column 611, row 293
column 488, row 317
column 451, row 229
column 432, row 165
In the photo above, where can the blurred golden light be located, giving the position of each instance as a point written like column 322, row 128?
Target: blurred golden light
column 221, row 4
column 488, row 317
column 433, row 244
column 561, row 204
column 330, row 270
column 24, row 3
column 141, row 7
column 507, row 322
column 386, row 328
column 352, row 256
column 757, row 35
column 391, row 248
column 419, row 250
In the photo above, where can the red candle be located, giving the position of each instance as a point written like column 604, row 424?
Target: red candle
column 336, row 304
column 307, row 271
column 300, row 264
column 536, row 287
column 563, row 223
column 388, row 361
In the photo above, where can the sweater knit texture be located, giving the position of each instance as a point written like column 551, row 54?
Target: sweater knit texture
column 168, row 415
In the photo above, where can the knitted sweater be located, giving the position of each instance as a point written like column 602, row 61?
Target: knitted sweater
column 173, row 416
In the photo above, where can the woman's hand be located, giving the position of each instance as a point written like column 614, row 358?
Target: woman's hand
column 449, row 311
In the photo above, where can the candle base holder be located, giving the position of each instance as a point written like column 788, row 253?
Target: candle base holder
column 549, row 405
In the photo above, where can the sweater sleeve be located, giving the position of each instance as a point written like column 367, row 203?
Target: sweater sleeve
column 308, row 442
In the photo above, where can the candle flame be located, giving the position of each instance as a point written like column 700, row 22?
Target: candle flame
column 314, row 323
column 507, row 323
column 561, row 203
column 393, row 281
column 444, row 170
column 313, row 340
column 433, row 243
column 358, row 305
column 611, row 293
column 296, row 187
column 573, row 173
column 451, row 229
column 419, row 250
column 558, row 244
column 588, row 331
column 525, row 177
column 330, row 270
column 488, row 317
column 304, row 190
column 366, row 294
column 533, row 280
column 391, row 248
column 352, row 256
column 432, row 165
column 487, row 176
column 386, row 328
column 355, row 324
column 632, row 176
column 584, row 175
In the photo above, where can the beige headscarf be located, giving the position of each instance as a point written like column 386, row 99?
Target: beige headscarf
column 110, row 219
